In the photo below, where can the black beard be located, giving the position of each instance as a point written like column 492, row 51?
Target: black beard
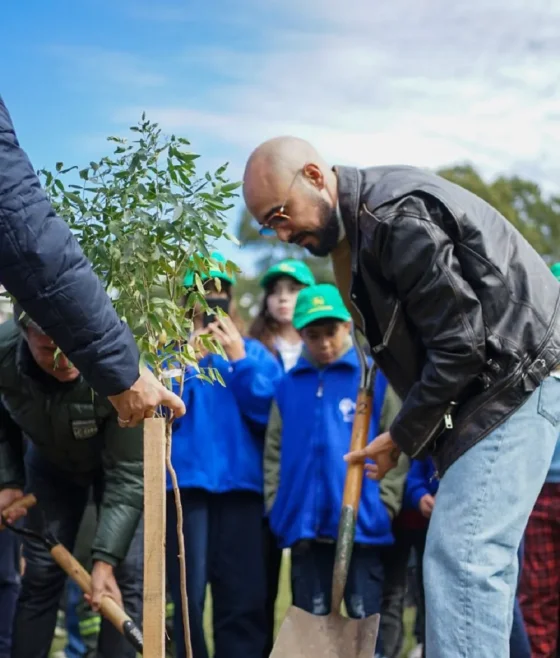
column 327, row 236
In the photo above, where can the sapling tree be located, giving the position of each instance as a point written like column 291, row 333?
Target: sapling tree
column 142, row 215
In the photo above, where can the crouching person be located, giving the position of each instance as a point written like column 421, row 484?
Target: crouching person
column 309, row 432
column 74, row 443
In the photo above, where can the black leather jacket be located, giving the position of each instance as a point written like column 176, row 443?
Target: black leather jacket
column 461, row 313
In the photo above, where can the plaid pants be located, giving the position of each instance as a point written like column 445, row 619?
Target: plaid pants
column 540, row 580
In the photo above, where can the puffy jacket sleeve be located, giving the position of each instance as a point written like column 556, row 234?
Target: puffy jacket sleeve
column 12, row 473
column 419, row 259
column 272, row 449
column 417, row 484
column 43, row 267
column 253, row 381
column 122, row 503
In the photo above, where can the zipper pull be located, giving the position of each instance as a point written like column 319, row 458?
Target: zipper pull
column 448, row 418
column 320, row 390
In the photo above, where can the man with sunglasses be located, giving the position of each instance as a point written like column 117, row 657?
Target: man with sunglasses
column 462, row 317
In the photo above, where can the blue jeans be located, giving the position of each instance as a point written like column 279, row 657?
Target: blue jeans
column 482, row 508
column 224, row 547
column 519, row 646
column 9, row 588
column 312, row 572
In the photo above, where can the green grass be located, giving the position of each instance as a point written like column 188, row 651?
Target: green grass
column 282, row 604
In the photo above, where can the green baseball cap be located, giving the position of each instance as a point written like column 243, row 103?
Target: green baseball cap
column 216, row 259
column 555, row 269
column 319, row 302
column 296, row 269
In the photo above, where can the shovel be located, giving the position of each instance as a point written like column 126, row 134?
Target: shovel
column 109, row 608
column 303, row 635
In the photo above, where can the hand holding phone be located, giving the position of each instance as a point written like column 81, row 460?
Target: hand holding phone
column 228, row 335
column 213, row 303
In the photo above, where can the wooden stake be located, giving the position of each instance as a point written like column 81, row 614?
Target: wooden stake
column 154, row 538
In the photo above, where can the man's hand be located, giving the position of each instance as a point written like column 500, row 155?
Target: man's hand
column 382, row 450
column 227, row 334
column 426, row 505
column 7, row 498
column 142, row 400
column 103, row 583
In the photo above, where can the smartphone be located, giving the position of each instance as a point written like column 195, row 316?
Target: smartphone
column 215, row 302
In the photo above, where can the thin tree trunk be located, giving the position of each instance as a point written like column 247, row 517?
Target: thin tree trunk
column 180, row 540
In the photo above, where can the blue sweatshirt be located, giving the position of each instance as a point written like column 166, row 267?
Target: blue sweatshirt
column 419, row 482
column 309, row 432
column 218, row 444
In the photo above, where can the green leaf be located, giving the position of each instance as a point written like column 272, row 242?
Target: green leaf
column 177, row 212
column 230, row 187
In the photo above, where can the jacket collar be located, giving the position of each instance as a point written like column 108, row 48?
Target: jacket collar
column 348, row 182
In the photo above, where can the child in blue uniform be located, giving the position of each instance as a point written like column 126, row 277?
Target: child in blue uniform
column 217, row 453
column 274, row 329
column 308, row 434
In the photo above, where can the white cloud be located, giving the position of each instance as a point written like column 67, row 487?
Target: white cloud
column 103, row 67
column 426, row 83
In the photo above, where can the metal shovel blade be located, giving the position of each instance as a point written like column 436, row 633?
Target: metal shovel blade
column 303, row 635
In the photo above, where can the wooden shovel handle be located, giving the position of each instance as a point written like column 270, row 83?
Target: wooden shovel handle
column 360, row 431
column 109, row 608
column 21, row 503
column 66, row 561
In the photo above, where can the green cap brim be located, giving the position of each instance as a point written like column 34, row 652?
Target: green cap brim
column 188, row 281
column 297, row 271
column 326, row 312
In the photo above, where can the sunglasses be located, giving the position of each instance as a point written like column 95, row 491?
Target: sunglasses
column 277, row 217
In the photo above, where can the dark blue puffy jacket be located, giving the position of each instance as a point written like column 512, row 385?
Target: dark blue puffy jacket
column 43, row 267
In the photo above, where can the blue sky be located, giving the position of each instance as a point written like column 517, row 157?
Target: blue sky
column 426, row 83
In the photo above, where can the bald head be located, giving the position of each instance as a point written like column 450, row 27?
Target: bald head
column 271, row 168
column 290, row 188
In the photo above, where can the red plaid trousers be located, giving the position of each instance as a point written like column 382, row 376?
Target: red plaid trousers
column 540, row 580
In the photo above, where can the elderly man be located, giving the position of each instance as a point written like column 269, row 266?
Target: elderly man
column 73, row 444
column 42, row 266
column 462, row 317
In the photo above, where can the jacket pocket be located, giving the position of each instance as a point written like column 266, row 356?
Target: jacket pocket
column 549, row 400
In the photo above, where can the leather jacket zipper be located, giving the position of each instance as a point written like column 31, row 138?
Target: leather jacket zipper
column 447, row 420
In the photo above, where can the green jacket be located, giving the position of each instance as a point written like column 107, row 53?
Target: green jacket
column 391, row 486
column 77, row 431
